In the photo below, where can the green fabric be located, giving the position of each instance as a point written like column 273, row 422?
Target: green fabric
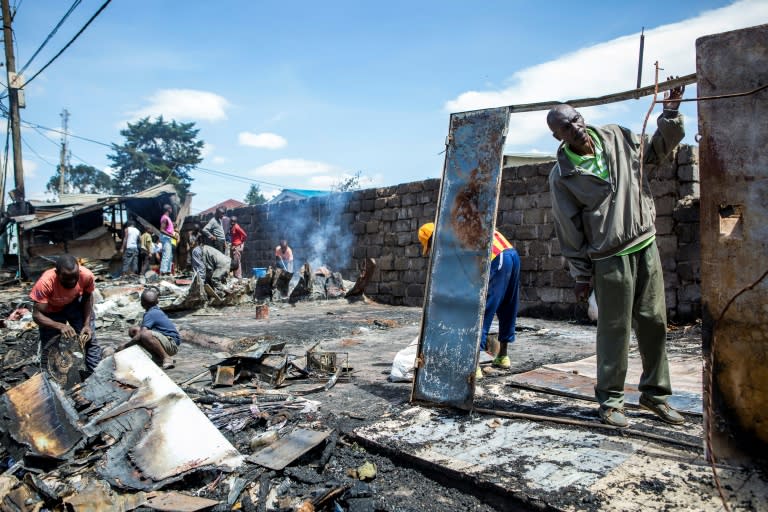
column 630, row 293
column 592, row 164
column 637, row 247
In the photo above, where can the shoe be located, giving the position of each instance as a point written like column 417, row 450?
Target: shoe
column 502, row 362
column 478, row 374
column 168, row 364
column 615, row 417
column 666, row 413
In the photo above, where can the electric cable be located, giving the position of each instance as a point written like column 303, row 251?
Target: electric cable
column 50, row 35
column 104, row 6
column 38, row 155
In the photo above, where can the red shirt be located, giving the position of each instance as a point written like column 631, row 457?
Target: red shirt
column 48, row 289
column 237, row 234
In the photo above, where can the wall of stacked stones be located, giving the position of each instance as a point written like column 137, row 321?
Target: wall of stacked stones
column 342, row 230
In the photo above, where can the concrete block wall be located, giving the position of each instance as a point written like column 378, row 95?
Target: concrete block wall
column 342, row 230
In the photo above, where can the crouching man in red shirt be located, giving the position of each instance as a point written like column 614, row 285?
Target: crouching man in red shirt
column 63, row 299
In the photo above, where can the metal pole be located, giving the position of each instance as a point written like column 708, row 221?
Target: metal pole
column 63, row 155
column 640, row 60
column 13, row 100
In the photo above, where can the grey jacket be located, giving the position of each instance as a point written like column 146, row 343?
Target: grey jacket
column 596, row 218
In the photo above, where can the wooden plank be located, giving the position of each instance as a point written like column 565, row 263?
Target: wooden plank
column 281, row 453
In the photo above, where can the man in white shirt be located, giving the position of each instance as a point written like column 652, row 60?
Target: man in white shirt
column 130, row 249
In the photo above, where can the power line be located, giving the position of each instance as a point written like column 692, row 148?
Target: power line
column 205, row 170
column 104, row 6
column 38, row 155
column 50, row 35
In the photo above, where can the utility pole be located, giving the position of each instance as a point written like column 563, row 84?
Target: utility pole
column 63, row 155
column 13, row 100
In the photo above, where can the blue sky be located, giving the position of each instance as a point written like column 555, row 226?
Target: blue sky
column 302, row 94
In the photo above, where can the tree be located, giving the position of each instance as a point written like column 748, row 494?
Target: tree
column 155, row 152
column 82, row 179
column 348, row 183
column 255, row 196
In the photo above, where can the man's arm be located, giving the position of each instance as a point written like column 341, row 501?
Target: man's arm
column 125, row 240
column 207, row 230
column 40, row 316
column 87, row 315
column 570, row 234
column 670, row 129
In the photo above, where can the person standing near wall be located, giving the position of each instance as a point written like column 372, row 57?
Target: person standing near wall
column 145, row 251
column 604, row 219
column 238, row 237
column 130, row 249
column 502, row 298
column 166, row 238
column 214, row 231
column 284, row 256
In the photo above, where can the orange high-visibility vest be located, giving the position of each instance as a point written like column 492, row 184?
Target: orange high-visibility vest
column 500, row 244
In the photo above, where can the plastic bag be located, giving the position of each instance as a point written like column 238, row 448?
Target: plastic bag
column 592, row 309
column 403, row 365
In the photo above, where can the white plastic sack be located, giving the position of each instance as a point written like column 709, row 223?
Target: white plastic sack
column 404, row 363
column 592, row 309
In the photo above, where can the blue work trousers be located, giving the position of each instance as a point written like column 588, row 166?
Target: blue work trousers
column 503, row 296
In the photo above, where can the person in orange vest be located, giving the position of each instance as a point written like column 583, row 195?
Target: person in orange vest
column 503, row 294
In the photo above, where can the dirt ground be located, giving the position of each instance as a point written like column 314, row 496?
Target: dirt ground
column 371, row 334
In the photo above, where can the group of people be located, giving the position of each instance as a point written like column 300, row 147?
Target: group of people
column 604, row 219
column 140, row 250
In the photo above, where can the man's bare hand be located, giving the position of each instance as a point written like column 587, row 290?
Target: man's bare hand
column 673, row 96
column 67, row 331
column 581, row 290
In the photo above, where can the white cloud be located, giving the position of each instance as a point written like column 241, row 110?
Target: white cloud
column 294, row 167
column 184, row 104
column 261, row 140
column 218, row 160
column 607, row 68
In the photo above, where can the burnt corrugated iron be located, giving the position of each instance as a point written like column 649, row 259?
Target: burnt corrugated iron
column 160, row 434
column 459, row 263
column 37, row 415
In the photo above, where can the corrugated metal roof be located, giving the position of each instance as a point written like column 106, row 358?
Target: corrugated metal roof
column 45, row 215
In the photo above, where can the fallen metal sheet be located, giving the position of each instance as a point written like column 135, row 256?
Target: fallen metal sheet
column 37, row 414
column 563, row 468
column 578, row 379
column 96, row 496
column 178, row 502
column 460, row 263
column 161, row 434
column 281, row 453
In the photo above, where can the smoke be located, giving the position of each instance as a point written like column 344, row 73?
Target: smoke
column 316, row 231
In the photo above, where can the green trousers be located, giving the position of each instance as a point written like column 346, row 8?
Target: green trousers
column 630, row 295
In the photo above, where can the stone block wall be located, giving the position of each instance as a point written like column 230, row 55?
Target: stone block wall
column 341, row 230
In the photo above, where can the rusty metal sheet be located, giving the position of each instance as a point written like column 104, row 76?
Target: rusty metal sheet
column 459, row 263
column 583, row 387
column 37, row 414
column 161, row 434
column 178, row 502
column 281, row 453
